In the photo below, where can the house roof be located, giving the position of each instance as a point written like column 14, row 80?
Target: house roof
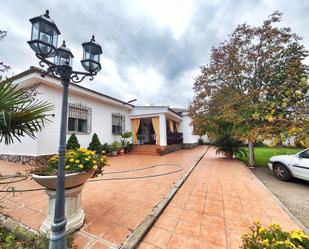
column 39, row 70
column 161, row 106
column 180, row 110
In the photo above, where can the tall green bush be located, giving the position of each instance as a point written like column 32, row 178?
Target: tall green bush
column 72, row 143
column 95, row 144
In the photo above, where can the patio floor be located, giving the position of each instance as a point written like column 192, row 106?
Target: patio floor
column 214, row 207
column 114, row 208
column 211, row 210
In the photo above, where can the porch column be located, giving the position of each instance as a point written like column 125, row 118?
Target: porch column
column 163, row 140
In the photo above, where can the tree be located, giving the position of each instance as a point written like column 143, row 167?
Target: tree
column 20, row 114
column 72, row 143
column 95, row 144
column 256, row 80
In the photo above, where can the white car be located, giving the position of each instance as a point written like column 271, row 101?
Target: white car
column 286, row 167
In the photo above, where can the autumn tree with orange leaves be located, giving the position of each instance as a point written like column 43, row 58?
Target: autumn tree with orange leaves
column 257, row 81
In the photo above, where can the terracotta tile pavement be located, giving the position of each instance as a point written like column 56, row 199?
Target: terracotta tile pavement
column 114, row 208
column 214, row 208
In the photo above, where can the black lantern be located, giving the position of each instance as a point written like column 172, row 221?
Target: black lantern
column 91, row 57
column 44, row 35
column 64, row 56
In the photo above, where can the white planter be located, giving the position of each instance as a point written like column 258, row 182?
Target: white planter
column 71, row 180
column 74, row 214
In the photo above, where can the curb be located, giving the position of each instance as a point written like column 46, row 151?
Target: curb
column 292, row 216
column 138, row 234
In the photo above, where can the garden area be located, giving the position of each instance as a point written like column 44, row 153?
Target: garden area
column 262, row 154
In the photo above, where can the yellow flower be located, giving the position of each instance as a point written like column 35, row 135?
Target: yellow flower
column 95, row 167
column 87, row 159
column 80, row 166
column 71, row 160
column 94, row 161
column 82, row 150
column 296, row 235
column 76, row 161
column 67, row 167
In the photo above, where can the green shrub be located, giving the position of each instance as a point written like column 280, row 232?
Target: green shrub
column 95, row 144
column 105, row 148
column 273, row 237
column 19, row 239
column 116, row 145
column 72, row 143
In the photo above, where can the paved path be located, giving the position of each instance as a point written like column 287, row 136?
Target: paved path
column 214, row 207
column 113, row 208
column 294, row 194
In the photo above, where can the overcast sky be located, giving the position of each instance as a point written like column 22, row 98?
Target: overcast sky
column 152, row 50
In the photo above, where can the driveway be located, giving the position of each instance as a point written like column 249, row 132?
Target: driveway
column 294, row 195
column 214, row 207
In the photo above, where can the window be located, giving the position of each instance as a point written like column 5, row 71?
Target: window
column 118, row 124
column 79, row 119
column 305, row 154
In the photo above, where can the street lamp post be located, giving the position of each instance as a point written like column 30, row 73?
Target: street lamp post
column 44, row 39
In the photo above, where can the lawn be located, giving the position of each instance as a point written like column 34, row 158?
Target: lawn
column 262, row 154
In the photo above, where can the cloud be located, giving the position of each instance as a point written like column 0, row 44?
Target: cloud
column 152, row 50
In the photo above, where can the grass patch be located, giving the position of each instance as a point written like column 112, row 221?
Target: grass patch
column 262, row 154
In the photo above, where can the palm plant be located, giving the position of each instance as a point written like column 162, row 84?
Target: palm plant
column 20, row 114
column 230, row 146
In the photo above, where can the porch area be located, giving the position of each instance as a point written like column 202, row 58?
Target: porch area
column 155, row 130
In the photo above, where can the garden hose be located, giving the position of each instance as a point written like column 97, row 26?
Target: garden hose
column 179, row 168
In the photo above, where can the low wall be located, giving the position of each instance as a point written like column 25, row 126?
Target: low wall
column 189, row 145
column 170, row 148
column 26, row 160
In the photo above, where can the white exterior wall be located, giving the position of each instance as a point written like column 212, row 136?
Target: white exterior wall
column 187, row 130
column 48, row 139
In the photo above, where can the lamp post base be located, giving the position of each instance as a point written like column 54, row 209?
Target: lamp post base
column 75, row 215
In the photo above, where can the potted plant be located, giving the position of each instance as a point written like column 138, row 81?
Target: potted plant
column 229, row 146
column 124, row 141
column 140, row 138
column 80, row 165
column 114, row 148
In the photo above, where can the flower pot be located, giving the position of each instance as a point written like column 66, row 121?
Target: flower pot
column 74, row 214
column 71, row 180
column 114, row 153
column 121, row 151
column 228, row 155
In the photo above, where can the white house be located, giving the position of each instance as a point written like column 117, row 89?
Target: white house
column 93, row 112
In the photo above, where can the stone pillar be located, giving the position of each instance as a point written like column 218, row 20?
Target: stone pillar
column 163, row 139
column 75, row 215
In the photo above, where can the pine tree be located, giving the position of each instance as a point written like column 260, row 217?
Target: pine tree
column 95, row 144
column 72, row 143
